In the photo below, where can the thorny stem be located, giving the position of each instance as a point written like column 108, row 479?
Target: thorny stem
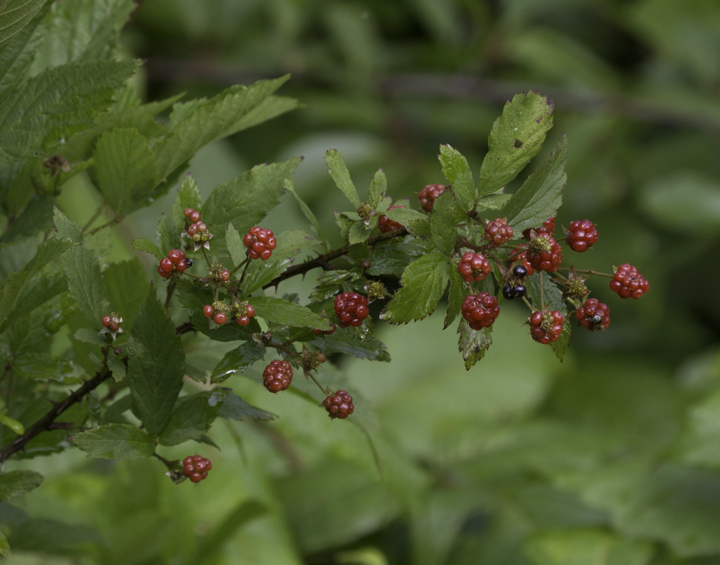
column 323, row 389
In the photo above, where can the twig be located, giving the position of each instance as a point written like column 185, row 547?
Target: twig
column 170, row 290
column 115, row 220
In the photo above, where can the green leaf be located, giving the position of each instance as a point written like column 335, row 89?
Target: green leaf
column 493, row 202
column 286, row 313
column 516, row 137
column 155, row 366
column 43, row 367
column 36, row 217
column 188, row 197
column 540, row 195
column 235, row 245
column 352, row 341
column 378, row 186
column 4, row 545
column 247, row 199
column 420, row 228
column 12, row 424
column 193, row 416
column 168, row 235
column 458, row 174
column 124, row 170
column 85, row 282
column 235, row 408
column 115, row 441
column 698, row 444
column 66, row 228
column 126, row 288
column 442, row 223
column 15, row 15
column 18, row 53
column 358, row 233
column 148, row 247
column 340, row 174
column 424, row 283
column 289, row 185
column 197, row 123
column 473, row 343
column 16, row 483
column 237, row 360
column 404, row 216
column 93, row 337
column 392, row 258
column 456, row 297
column 551, row 293
column 560, row 346
column 37, row 114
column 40, row 289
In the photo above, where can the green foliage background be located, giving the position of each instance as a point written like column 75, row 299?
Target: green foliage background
column 610, row 457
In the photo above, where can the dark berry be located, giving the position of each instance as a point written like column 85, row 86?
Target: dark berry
column 546, row 327
column 166, row 265
column 628, row 283
column 498, row 232
column 508, row 291
column 208, row 311
column 189, row 262
column 480, row 310
column 225, row 276
column 106, row 321
column 196, row 467
column 520, row 291
column 351, row 309
column 594, row 315
column 429, row 194
column 385, row 224
column 339, row 405
column 473, row 267
column 220, row 318
column 260, row 243
column 545, row 254
column 277, row 376
column 581, row 235
column 548, row 228
column 520, row 271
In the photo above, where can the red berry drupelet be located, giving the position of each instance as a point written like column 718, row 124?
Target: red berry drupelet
column 628, row 283
column 385, row 224
column 594, row 315
column 277, row 376
column 260, row 243
column 473, row 267
column 220, row 318
column 581, row 235
column 480, row 310
column 243, row 319
column 175, row 261
column 548, row 228
column 430, row 194
column 196, row 467
column 498, row 232
column 192, row 215
column 339, row 405
column 546, row 327
column 351, row 309
column 544, row 254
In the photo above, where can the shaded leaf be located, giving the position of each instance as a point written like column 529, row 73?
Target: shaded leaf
column 458, row 174
column 193, row 416
column 235, row 408
column 85, row 283
column 15, row 15
column 149, row 247
column 115, row 441
column 16, row 483
column 353, row 341
column 66, row 228
column 473, row 343
column 340, row 174
column 237, row 360
column 287, row 313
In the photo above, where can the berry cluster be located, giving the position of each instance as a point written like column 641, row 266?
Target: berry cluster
column 581, row 235
column 628, row 283
column 544, row 254
column 260, row 243
column 594, row 315
column 174, row 262
column 480, row 310
column 385, row 224
column 241, row 311
column 473, row 267
column 548, row 228
column 546, row 327
column 277, row 376
column 429, row 194
column 196, row 230
column 111, row 324
column 498, row 232
column 196, row 467
column 339, row 405
column 514, row 287
column 351, row 309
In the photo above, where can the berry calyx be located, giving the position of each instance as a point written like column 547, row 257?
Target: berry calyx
column 220, row 318
column 351, row 309
column 581, row 235
column 208, row 311
column 339, row 405
column 196, row 467
column 548, row 228
column 473, row 267
column 628, row 283
column 546, row 327
column 498, row 232
column 385, row 224
column 480, row 310
column 277, row 376
column 594, row 315
column 260, row 243
column 544, row 254
column 429, row 194
column 106, row 321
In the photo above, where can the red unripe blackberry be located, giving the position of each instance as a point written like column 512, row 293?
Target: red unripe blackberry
column 195, row 216
column 277, row 376
column 208, row 311
column 260, row 242
column 385, row 224
column 594, row 315
column 480, row 310
column 548, row 228
column 192, row 230
column 339, row 405
column 188, row 211
column 176, row 255
column 429, row 194
column 581, row 235
column 473, row 267
column 106, row 321
column 332, row 329
column 114, row 325
column 244, row 319
column 181, row 266
column 225, row 276
column 321, row 357
column 546, row 327
column 498, row 232
column 220, row 318
column 162, row 273
column 351, row 309
column 628, row 283
column 196, row 467
column 166, row 265
column 545, row 254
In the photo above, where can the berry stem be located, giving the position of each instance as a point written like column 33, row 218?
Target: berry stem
column 207, row 259
column 242, row 277
column 115, row 220
column 186, row 274
column 246, row 261
column 526, row 301
column 591, row 272
column 324, row 390
column 169, row 464
column 94, row 217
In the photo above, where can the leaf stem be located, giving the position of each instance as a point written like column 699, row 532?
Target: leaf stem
column 526, row 301
column 93, row 218
column 591, row 272
column 247, row 260
column 115, row 220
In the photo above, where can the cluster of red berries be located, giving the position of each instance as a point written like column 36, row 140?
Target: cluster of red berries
column 429, row 194
column 628, row 283
column 480, row 310
column 546, row 327
column 174, row 262
column 241, row 313
column 260, row 243
column 473, row 267
column 112, row 323
column 277, row 376
column 544, row 254
column 498, row 232
column 385, row 224
column 196, row 230
column 339, row 405
column 548, row 228
column 594, row 315
column 351, row 309
column 581, row 235
column 196, row 467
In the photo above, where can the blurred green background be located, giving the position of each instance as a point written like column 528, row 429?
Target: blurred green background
column 610, row 457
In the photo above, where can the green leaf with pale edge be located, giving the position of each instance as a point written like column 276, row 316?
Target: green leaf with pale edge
column 235, row 408
column 442, row 223
column 540, row 196
column 16, row 483
column 560, row 346
column 193, row 416
column 456, row 297
column 37, row 114
column 235, row 245
column 115, row 441
column 15, row 15
column 424, row 283
column 94, row 337
column 516, row 137
column 351, row 341
column 124, row 170
column 493, row 202
column 340, row 174
column 473, row 343
column 551, row 293
column 404, row 216
column 168, row 235
column 237, row 360
column 188, row 197
column 18, row 53
column 148, row 247
column 66, row 228
column 195, row 124
column 589, row 547
column 287, row 313
column 289, row 184
column 85, row 282
column 126, row 288
column 458, row 174
column 247, row 199
column 358, row 233
column 155, row 366
column 378, row 186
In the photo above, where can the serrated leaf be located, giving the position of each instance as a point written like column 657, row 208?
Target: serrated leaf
column 44, row 367
column 115, row 441
column 188, row 197
column 168, row 235
column 247, row 199
column 340, row 174
column 442, row 223
column 289, row 185
column 148, row 247
column 350, row 341
column 424, row 283
column 287, row 313
column 378, row 186
column 126, row 288
column 458, row 174
column 404, row 216
column 541, row 195
column 560, row 346
column 18, row 53
column 235, row 408
column 420, row 228
column 193, row 416
column 473, row 343
column 493, row 202
column 36, row 217
column 550, row 292
column 85, row 282
column 15, row 15
column 66, row 228
column 155, row 366
column 237, row 360
column 358, row 233
column 117, row 367
column 124, row 170
column 392, row 258
column 41, row 288
column 94, row 337
column 16, row 483
column 456, row 297
column 235, row 245
column 516, row 137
